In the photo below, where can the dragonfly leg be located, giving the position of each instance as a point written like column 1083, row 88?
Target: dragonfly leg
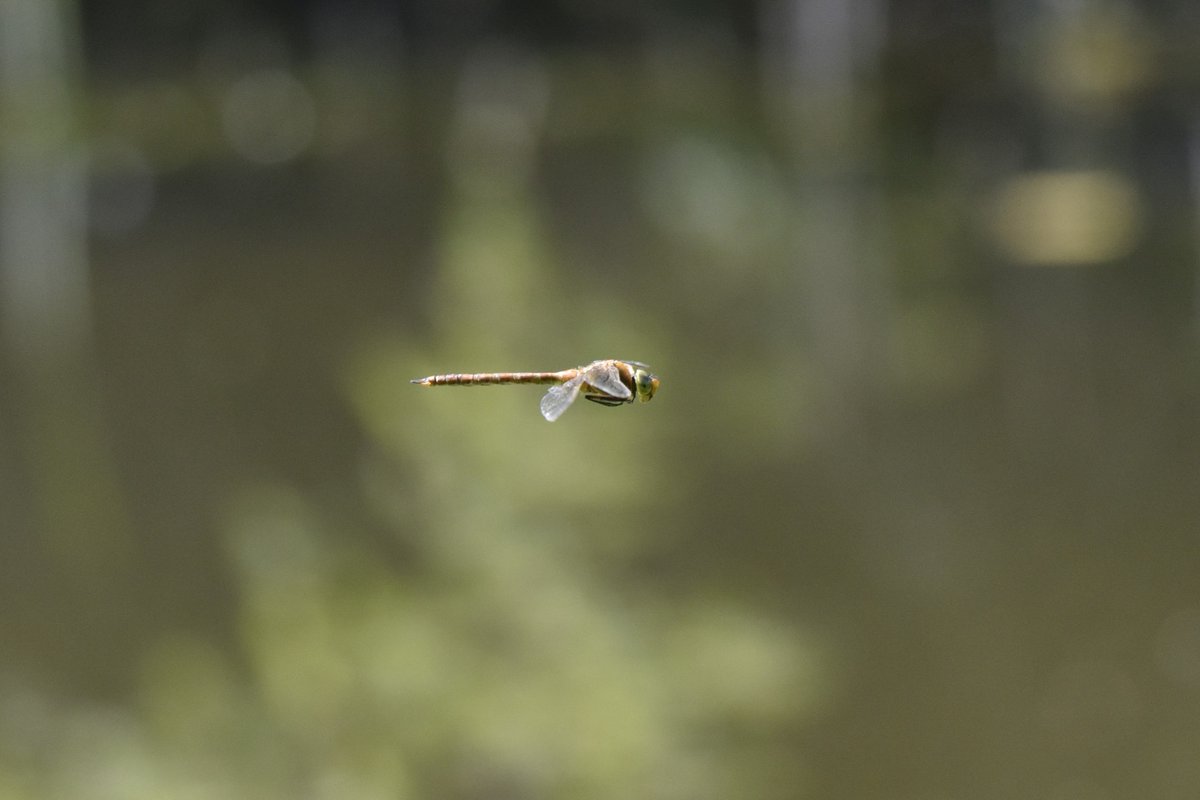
column 605, row 400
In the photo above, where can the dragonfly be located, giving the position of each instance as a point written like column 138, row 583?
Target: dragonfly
column 609, row 382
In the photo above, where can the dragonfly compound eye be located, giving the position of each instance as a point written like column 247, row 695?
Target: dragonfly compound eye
column 647, row 384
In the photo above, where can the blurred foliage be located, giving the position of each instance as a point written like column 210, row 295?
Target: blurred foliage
column 912, row 514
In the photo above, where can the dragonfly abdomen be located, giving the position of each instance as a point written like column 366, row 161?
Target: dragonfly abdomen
column 485, row 378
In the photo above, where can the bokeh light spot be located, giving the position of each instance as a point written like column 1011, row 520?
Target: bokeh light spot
column 1066, row 218
column 269, row 116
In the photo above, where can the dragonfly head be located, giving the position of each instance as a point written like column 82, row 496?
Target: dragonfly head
column 645, row 384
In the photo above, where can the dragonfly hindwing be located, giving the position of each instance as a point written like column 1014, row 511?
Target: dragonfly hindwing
column 559, row 398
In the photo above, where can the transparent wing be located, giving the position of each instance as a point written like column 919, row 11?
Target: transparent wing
column 560, row 397
column 604, row 376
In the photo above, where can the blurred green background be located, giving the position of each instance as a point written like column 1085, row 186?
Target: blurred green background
column 914, row 514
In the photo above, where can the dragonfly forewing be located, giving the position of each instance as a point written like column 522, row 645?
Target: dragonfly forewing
column 605, row 377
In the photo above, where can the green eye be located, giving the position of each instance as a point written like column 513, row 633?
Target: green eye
column 646, row 384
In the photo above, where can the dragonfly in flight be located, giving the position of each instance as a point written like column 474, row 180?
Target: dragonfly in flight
column 608, row 382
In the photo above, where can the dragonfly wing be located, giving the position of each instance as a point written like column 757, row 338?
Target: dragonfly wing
column 560, row 397
column 604, row 376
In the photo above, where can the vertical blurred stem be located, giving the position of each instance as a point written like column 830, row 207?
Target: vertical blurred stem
column 493, row 256
column 1194, row 159
column 44, row 306
column 818, row 50
column 1047, row 311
